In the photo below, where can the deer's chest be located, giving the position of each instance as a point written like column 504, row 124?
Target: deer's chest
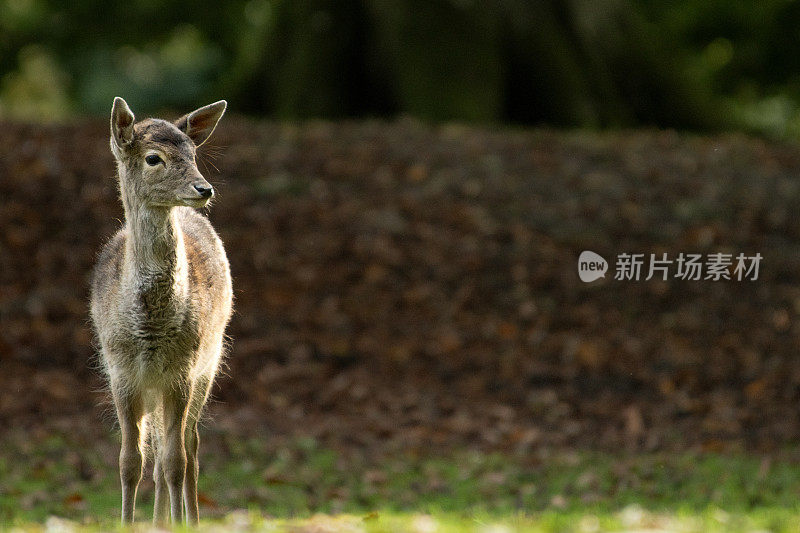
column 159, row 328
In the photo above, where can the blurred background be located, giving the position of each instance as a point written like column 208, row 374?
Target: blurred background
column 404, row 190
column 702, row 65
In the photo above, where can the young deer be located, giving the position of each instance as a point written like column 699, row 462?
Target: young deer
column 161, row 299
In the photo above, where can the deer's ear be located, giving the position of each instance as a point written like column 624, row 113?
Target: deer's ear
column 200, row 123
column 121, row 123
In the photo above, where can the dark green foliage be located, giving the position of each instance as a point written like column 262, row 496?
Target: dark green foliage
column 595, row 63
column 443, row 58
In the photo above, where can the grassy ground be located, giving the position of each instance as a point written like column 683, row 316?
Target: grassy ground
column 56, row 483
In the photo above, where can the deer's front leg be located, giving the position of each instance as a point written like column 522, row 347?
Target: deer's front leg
column 173, row 456
column 200, row 392
column 129, row 412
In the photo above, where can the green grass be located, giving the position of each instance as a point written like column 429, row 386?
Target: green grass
column 53, row 482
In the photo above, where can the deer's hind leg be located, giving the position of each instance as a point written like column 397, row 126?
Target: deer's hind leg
column 161, row 504
column 192, row 439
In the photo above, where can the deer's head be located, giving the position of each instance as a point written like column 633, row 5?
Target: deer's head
column 156, row 158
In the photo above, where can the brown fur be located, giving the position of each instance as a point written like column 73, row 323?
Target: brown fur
column 161, row 299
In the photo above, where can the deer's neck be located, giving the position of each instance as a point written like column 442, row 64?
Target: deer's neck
column 155, row 258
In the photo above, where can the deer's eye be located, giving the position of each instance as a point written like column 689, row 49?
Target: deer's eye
column 153, row 160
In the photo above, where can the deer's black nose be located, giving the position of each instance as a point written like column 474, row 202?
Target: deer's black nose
column 206, row 191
